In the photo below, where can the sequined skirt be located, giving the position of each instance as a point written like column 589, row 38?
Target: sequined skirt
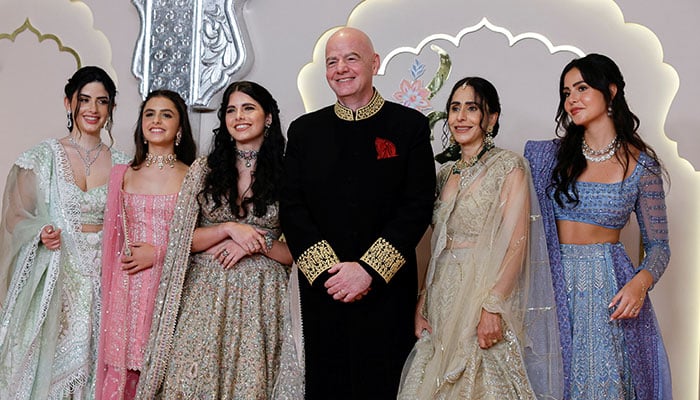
column 227, row 342
column 466, row 371
column 600, row 368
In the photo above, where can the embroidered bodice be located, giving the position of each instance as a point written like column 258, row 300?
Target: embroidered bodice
column 148, row 216
column 269, row 221
column 464, row 219
column 641, row 192
column 606, row 204
column 92, row 203
column 148, row 220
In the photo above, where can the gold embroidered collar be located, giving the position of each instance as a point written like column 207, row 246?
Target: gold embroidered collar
column 375, row 104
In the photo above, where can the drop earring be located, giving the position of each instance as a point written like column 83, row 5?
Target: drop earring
column 69, row 124
column 488, row 138
column 610, row 110
column 178, row 137
column 108, row 124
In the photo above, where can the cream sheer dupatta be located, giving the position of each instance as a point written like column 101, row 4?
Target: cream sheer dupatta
column 489, row 234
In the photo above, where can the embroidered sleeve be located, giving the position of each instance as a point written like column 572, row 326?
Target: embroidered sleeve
column 316, row 259
column 494, row 303
column 384, row 258
column 653, row 224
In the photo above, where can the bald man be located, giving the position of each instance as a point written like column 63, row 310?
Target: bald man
column 357, row 197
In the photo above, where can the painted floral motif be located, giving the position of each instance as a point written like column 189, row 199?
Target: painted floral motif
column 413, row 94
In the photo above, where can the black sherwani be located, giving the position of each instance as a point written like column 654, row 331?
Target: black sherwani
column 358, row 187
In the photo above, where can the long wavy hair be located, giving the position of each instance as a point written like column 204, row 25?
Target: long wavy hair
column 82, row 77
column 221, row 183
column 599, row 72
column 186, row 151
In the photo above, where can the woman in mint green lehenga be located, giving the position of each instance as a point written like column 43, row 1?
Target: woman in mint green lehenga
column 50, row 239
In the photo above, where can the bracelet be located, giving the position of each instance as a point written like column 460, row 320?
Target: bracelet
column 268, row 240
column 644, row 292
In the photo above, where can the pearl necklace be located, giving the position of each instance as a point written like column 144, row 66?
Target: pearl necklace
column 601, row 155
column 86, row 159
column 161, row 160
column 247, row 156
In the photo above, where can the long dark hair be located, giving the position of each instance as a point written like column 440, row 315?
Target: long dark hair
column 221, row 183
column 89, row 74
column 599, row 72
column 186, row 151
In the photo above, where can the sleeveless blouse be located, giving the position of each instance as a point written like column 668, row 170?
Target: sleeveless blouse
column 128, row 322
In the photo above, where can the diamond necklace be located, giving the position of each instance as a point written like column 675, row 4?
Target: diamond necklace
column 247, row 156
column 161, row 160
column 601, row 155
column 86, row 159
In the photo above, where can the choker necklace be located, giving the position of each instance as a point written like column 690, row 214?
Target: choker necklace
column 462, row 164
column 247, row 156
column 161, row 160
column 86, row 159
column 601, row 155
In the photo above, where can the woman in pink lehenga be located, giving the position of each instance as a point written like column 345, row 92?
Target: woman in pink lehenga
column 140, row 204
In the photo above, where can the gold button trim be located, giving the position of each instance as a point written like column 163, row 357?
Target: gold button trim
column 347, row 114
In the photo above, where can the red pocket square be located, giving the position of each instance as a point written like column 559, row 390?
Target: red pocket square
column 385, row 148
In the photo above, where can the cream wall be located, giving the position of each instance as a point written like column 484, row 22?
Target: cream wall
column 654, row 44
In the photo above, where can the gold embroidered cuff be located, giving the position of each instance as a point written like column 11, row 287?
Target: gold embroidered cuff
column 384, row 258
column 317, row 259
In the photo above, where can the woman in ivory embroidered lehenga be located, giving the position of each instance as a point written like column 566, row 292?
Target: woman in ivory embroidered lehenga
column 221, row 313
column 50, row 255
column 588, row 182
column 485, row 320
column 140, row 204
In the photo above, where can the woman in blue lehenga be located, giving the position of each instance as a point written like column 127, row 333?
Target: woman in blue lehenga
column 588, row 183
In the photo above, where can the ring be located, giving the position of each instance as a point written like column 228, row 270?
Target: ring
column 494, row 341
column 225, row 253
column 634, row 310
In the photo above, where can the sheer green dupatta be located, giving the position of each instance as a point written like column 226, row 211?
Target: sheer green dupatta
column 175, row 267
column 29, row 274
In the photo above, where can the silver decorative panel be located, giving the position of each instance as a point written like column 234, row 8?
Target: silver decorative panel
column 194, row 47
